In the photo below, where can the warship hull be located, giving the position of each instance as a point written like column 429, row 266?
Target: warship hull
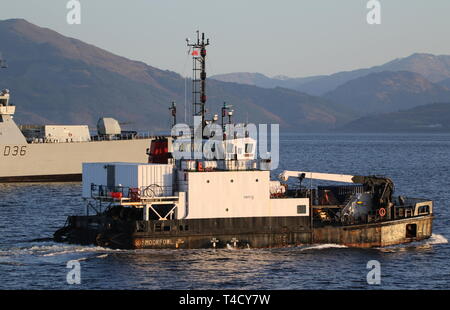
column 261, row 232
column 49, row 162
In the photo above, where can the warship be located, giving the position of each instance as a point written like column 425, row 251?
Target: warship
column 231, row 201
column 56, row 152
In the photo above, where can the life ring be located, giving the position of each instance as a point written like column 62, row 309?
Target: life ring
column 382, row 212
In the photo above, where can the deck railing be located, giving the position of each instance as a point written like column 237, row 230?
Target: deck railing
column 132, row 194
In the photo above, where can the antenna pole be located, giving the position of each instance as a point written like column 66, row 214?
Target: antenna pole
column 199, row 76
column 173, row 109
column 2, row 62
column 224, row 113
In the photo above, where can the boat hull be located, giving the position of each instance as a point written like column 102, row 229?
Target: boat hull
column 261, row 232
column 55, row 162
column 379, row 234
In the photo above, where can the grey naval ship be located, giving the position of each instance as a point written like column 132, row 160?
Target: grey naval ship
column 231, row 201
column 56, row 152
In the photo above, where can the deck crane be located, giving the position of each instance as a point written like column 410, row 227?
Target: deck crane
column 382, row 188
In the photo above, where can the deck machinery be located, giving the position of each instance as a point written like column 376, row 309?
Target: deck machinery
column 230, row 200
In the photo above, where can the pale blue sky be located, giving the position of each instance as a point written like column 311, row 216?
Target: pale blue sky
column 288, row 37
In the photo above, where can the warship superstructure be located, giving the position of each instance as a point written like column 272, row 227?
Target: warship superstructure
column 230, row 201
column 56, row 152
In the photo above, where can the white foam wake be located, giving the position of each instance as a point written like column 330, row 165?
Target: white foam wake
column 436, row 239
column 54, row 250
column 76, row 249
column 323, row 246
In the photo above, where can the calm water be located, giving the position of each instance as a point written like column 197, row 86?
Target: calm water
column 419, row 165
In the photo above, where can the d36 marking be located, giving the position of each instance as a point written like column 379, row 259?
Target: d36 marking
column 14, row 150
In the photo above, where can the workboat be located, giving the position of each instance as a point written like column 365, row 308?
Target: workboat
column 39, row 153
column 226, row 198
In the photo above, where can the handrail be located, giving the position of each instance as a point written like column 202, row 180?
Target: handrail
column 131, row 194
column 95, row 138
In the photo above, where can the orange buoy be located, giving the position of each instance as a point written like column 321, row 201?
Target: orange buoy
column 382, row 212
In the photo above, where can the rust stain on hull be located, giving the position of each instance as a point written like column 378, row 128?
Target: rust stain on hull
column 377, row 234
column 243, row 233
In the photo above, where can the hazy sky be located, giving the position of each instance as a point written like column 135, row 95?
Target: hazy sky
column 287, row 37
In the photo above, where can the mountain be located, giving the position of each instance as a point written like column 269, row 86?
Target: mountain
column 247, row 78
column 56, row 79
column 445, row 83
column 433, row 117
column 432, row 67
column 387, row 92
column 261, row 80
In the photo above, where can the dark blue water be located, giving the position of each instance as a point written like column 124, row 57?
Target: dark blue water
column 419, row 165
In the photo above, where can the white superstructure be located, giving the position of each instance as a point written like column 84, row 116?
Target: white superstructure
column 195, row 189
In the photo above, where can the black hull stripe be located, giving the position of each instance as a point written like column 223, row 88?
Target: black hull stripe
column 43, row 178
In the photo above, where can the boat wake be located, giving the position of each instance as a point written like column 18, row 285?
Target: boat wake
column 323, row 247
column 436, row 239
column 51, row 250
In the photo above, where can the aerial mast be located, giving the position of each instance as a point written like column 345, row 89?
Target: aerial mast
column 199, row 76
column 2, row 62
column 173, row 110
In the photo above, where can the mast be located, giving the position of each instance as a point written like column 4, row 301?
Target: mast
column 4, row 94
column 173, row 109
column 2, row 62
column 199, row 76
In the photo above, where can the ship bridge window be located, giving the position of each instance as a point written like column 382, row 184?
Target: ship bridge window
column 424, row 209
column 248, row 148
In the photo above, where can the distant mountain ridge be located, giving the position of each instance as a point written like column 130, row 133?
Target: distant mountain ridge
column 387, row 91
column 433, row 67
column 398, row 85
column 261, row 80
column 56, row 79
